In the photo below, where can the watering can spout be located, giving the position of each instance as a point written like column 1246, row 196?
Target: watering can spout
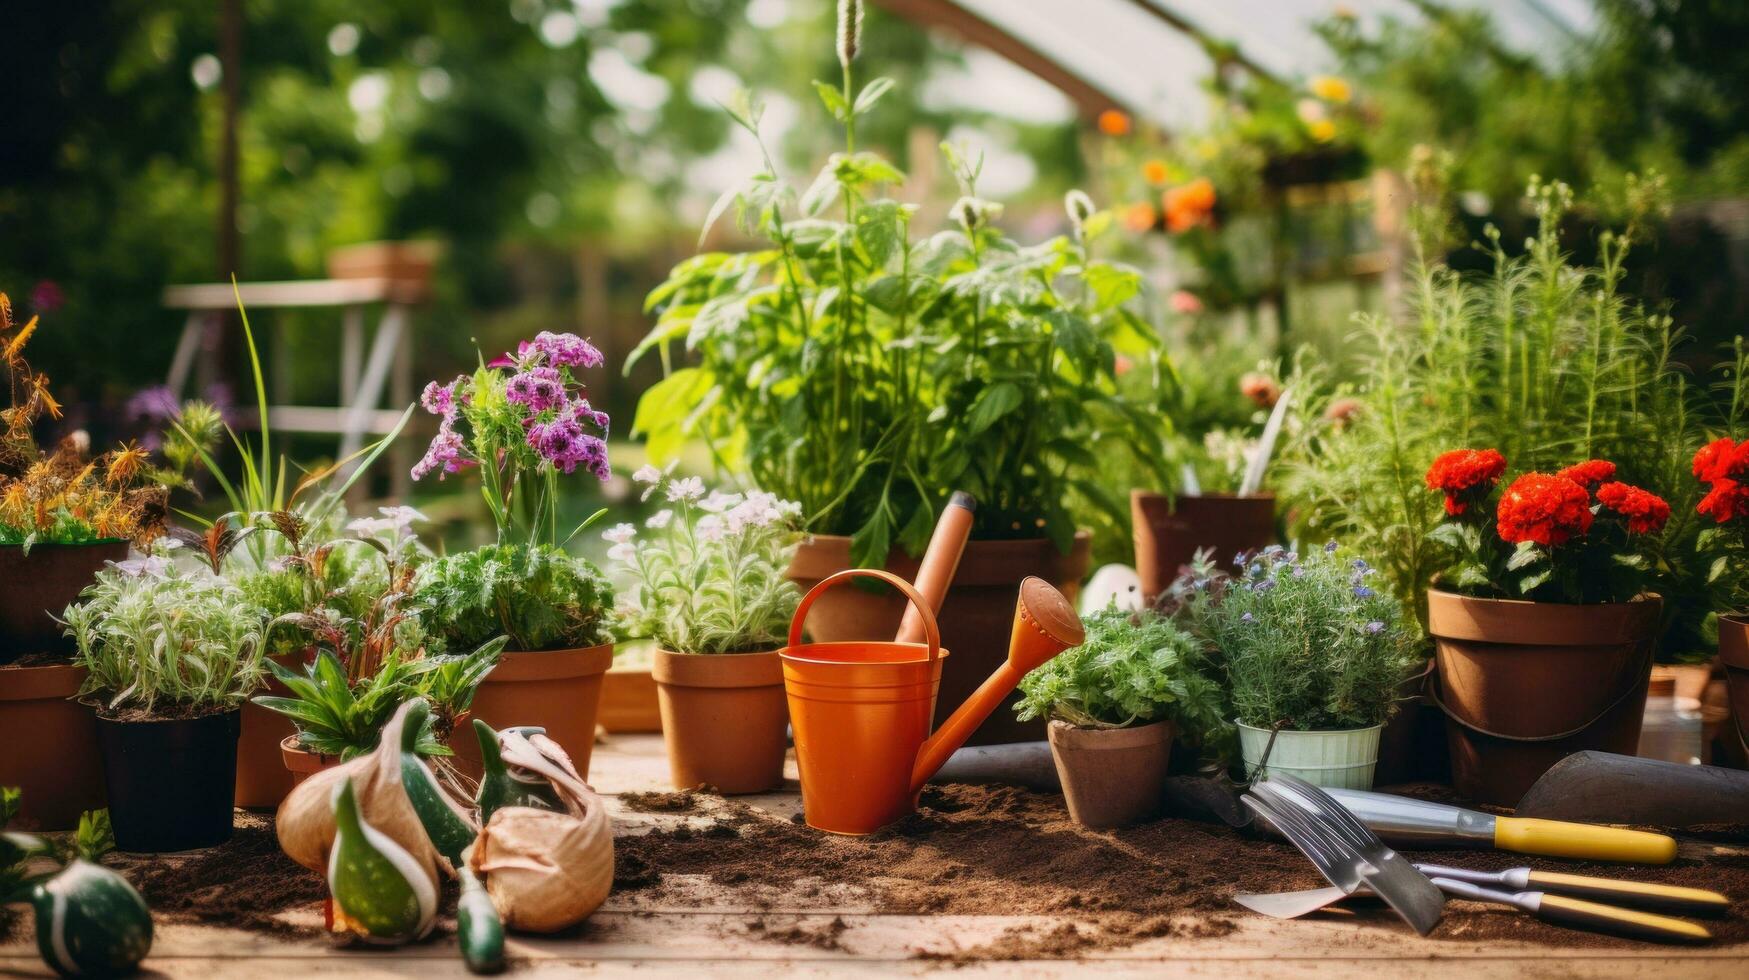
column 1045, row 625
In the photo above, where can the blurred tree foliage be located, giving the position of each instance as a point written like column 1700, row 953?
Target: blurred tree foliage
column 515, row 130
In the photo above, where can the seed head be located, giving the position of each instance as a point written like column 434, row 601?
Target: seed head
column 849, row 30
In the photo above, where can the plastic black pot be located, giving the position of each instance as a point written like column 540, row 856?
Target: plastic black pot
column 171, row 783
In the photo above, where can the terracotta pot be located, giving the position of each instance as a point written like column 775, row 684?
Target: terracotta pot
column 48, row 746
column 171, row 781
column 1168, row 533
column 628, row 702
column 975, row 618
column 40, row 586
column 559, row 690
column 300, row 764
column 1112, row 777
column 262, row 777
column 1734, row 657
column 724, row 718
column 1524, row 684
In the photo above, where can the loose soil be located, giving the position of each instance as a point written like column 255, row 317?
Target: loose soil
column 245, row 882
column 975, row 850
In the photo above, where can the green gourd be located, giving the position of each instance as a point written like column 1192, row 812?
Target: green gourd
column 499, row 788
column 380, row 892
column 479, row 930
column 90, row 921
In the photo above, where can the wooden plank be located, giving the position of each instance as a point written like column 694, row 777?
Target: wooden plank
column 321, row 419
column 293, row 293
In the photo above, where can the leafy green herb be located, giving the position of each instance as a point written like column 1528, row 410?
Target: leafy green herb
column 540, row 597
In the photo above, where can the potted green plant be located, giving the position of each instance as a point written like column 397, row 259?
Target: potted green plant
column 63, row 515
column 866, row 373
column 706, row 582
column 1311, row 654
column 170, row 656
column 1543, row 626
column 522, row 421
column 1115, row 703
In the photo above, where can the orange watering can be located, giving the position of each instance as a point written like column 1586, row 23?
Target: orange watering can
column 861, row 710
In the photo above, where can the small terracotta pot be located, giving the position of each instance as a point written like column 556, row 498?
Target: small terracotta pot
column 40, row 586
column 975, row 617
column 1734, row 656
column 1112, row 777
column 262, row 777
column 1525, row 684
column 725, row 719
column 300, row 764
column 628, row 702
column 48, row 746
column 1169, row 532
column 559, row 690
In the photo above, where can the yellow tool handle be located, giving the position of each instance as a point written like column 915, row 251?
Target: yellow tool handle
column 1637, row 894
column 1608, row 918
column 1556, row 838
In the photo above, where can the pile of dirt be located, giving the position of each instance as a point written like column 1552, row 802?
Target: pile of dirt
column 245, row 882
column 994, row 850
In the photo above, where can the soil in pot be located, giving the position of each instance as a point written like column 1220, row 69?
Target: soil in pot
column 1169, row 532
column 1343, row 759
column 39, row 586
column 48, row 745
column 300, row 764
column 975, row 617
column 1112, row 777
column 559, row 690
column 171, row 781
column 724, row 719
column 1525, row 684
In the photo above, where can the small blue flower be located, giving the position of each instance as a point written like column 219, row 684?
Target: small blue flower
column 1292, row 558
column 1299, row 571
column 1359, row 564
column 1274, row 549
column 1362, row 592
column 1239, row 560
column 1254, row 570
column 1330, row 548
column 1263, row 586
column 1247, row 618
column 1375, row 627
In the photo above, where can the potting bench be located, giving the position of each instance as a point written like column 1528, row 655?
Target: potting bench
column 702, row 930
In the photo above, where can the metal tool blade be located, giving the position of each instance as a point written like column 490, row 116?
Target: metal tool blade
column 1409, row 822
column 1391, row 875
column 1291, row 905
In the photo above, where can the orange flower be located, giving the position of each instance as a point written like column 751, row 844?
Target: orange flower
column 1114, row 122
column 1155, row 172
column 1139, row 217
column 124, row 463
column 1189, row 205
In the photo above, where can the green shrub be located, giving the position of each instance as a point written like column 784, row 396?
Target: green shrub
column 538, row 596
column 1133, row 669
column 1304, row 641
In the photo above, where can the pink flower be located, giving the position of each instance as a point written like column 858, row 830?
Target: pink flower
column 1186, row 302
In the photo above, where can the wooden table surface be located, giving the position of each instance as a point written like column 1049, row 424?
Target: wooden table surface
column 699, row 930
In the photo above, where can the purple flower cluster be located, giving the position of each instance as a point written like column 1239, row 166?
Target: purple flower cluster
column 447, row 452
column 562, row 441
column 558, row 350
column 539, row 388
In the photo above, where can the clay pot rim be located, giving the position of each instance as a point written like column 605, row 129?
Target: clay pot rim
column 1126, row 737
column 1261, row 495
column 40, row 545
column 1732, row 654
column 748, row 669
column 546, row 665
column 1455, row 616
column 40, row 682
column 1313, row 731
column 236, row 712
column 987, row 561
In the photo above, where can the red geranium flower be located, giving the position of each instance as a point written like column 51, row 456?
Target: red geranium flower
column 1545, row 509
column 1726, row 501
column 1721, row 459
column 1589, row 473
column 1646, row 511
column 1465, row 473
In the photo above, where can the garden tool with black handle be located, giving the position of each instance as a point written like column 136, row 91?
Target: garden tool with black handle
column 1580, row 914
column 1420, row 823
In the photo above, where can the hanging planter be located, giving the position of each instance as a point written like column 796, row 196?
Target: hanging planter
column 724, row 718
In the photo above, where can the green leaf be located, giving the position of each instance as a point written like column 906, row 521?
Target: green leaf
column 824, row 188
column 914, row 536
column 871, row 542
column 833, row 99
column 880, row 229
column 1527, row 554
column 663, row 409
column 992, row 404
column 1112, row 285
column 1718, row 568
column 870, row 94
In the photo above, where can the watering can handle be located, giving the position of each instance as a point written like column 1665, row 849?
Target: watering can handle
column 931, row 633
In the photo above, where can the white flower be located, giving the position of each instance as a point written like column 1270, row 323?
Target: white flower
column 403, row 516
column 659, row 519
column 647, row 474
column 619, row 534
column 686, row 490
column 151, row 566
column 369, row 527
column 625, row 551
column 719, row 501
column 710, row 527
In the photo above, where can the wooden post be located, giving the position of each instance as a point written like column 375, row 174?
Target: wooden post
column 216, row 351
